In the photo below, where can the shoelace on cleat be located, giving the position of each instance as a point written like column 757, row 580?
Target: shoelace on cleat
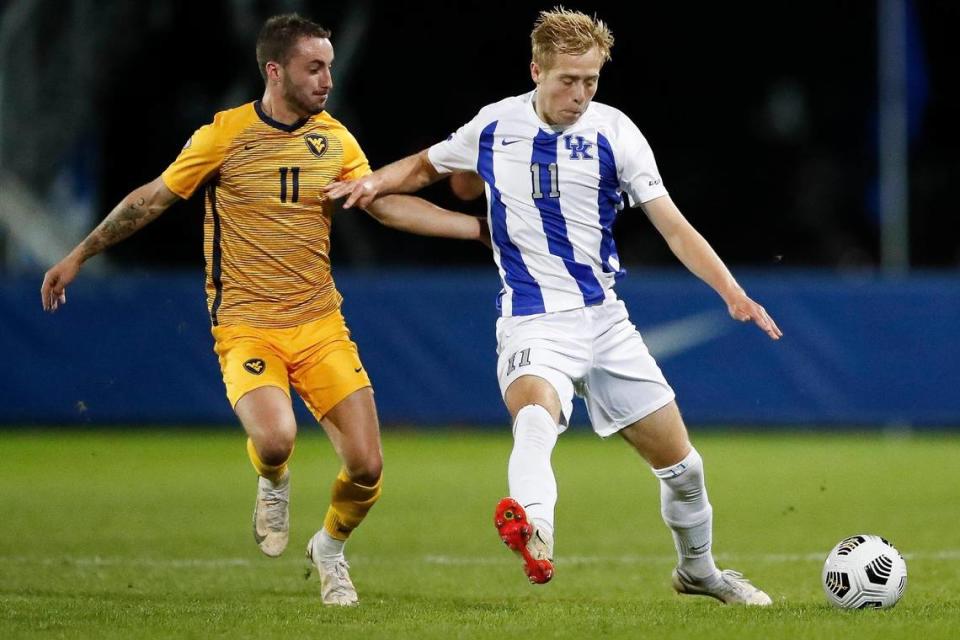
column 274, row 502
column 735, row 581
column 339, row 580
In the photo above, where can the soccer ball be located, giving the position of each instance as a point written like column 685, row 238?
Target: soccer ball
column 864, row 571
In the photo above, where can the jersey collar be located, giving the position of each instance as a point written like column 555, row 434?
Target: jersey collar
column 289, row 128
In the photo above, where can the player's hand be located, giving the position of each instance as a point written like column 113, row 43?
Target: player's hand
column 358, row 192
column 53, row 291
column 742, row 308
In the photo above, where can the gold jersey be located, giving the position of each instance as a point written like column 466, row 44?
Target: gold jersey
column 267, row 223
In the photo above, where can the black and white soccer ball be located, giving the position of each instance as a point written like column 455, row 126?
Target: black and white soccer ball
column 864, row 571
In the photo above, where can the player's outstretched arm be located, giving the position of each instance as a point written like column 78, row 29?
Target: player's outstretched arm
column 699, row 257
column 403, row 176
column 416, row 215
column 141, row 206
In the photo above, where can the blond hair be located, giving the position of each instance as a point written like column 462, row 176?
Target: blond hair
column 571, row 32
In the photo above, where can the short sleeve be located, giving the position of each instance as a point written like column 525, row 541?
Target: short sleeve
column 460, row 150
column 198, row 161
column 639, row 176
column 355, row 163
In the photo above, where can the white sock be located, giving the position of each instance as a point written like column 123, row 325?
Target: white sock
column 687, row 511
column 327, row 548
column 529, row 474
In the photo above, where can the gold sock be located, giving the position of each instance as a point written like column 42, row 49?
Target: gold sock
column 349, row 504
column 273, row 473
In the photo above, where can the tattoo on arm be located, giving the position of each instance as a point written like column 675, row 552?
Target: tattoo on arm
column 123, row 221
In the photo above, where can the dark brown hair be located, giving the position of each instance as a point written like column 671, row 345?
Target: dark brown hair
column 280, row 34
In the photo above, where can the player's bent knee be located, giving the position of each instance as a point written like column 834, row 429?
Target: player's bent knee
column 364, row 466
column 531, row 390
column 275, row 453
column 274, row 446
column 368, row 471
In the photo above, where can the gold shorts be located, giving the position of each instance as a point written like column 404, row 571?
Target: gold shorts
column 318, row 358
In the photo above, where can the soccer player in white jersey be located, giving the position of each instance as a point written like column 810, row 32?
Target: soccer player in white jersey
column 555, row 166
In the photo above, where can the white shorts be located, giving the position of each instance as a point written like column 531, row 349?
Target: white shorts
column 595, row 352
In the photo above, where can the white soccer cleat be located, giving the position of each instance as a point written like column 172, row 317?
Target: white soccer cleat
column 727, row 586
column 336, row 587
column 271, row 515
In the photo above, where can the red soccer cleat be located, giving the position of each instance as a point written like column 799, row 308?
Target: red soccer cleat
column 516, row 532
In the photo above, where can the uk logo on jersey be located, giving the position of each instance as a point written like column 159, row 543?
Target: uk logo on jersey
column 579, row 149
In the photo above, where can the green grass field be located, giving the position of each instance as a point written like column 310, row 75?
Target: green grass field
column 142, row 534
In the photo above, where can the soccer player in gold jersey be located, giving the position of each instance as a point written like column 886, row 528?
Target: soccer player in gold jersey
column 272, row 301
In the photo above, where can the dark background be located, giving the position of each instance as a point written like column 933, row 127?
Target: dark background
column 762, row 116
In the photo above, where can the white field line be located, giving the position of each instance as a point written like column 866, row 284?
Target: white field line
column 498, row 559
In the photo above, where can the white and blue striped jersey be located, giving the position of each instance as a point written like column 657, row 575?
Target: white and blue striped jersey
column 552, row 197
